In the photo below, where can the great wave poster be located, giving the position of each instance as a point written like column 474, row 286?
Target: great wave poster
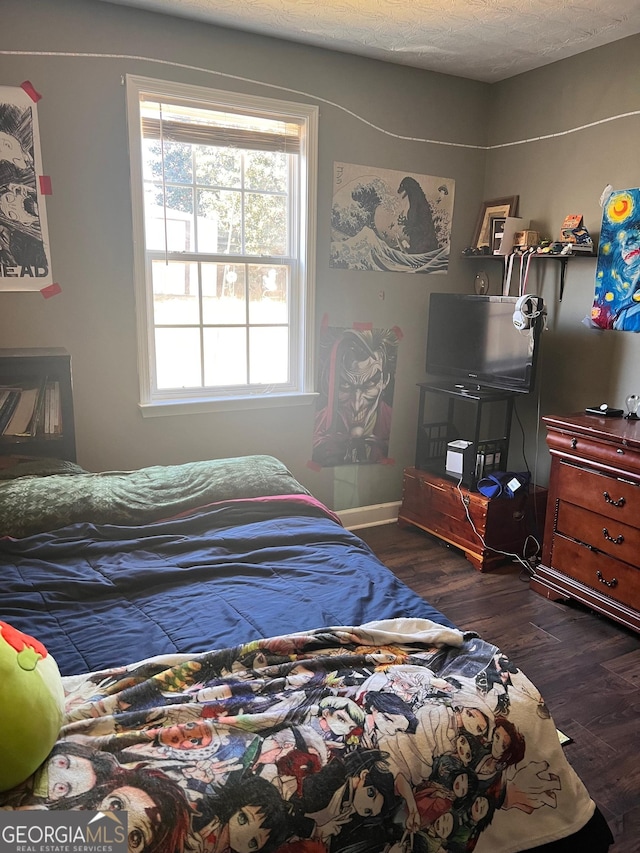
column 390, row 221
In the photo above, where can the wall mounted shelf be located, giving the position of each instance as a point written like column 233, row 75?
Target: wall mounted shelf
column 562, row 259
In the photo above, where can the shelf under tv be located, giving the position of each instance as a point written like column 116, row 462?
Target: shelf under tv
column 466, row 388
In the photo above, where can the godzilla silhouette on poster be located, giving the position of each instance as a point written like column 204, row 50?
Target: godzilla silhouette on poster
column 390, row 221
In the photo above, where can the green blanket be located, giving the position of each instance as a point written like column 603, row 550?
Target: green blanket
column 39, row 496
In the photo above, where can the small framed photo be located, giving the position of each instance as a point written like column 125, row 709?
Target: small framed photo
column 497, row 230
column 497, row 208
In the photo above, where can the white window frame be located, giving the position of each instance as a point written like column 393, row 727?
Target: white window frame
column 154, row 401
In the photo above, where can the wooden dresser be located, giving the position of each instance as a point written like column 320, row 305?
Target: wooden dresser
column 591, row 549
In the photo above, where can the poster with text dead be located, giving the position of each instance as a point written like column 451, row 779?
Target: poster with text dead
column 24, row 241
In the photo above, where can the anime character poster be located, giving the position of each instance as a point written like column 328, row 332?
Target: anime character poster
column 24, row 239
column 617, row 297
column 356, row 383
column 390, row 221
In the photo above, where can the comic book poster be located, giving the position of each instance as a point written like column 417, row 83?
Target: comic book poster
column 390, row 221
column 617, row 295
column 356, row 382
column 24, row 240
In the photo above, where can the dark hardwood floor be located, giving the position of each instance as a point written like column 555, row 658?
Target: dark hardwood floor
column 586, row 666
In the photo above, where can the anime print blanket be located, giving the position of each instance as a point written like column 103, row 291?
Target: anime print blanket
column 395, row 736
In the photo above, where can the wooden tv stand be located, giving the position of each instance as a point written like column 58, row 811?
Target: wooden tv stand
column 435, row 504
column 591, row 547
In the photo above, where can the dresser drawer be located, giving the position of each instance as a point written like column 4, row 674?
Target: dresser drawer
column 607, row 496
column 609, row 535
column 588, row 449
column 608, row 576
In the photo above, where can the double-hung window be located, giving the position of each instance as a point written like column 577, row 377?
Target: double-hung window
column 223, row 192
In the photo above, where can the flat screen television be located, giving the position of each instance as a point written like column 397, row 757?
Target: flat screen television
column 472, row 340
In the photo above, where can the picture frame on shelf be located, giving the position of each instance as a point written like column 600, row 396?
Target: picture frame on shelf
column 493, row 209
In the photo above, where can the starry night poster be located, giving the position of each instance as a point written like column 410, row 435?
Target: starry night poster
column 390, row 221
column 617, row 295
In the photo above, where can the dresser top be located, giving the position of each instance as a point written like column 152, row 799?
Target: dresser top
column 616, row 430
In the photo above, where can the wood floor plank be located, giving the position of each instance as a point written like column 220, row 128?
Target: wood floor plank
column 626, row 666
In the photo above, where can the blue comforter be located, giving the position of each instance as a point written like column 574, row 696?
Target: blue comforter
column 100, row 596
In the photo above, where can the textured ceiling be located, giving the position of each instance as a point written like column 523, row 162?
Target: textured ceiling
column 485, row 40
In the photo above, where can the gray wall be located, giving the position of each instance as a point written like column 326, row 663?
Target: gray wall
column 365, row 106
column 571, row 102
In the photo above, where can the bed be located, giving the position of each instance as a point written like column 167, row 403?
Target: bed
column 241, row 673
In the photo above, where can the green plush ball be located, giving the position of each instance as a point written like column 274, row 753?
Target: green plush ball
column 31, row 705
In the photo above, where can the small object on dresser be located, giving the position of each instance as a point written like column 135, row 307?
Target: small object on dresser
column 604, row 411
column 632, row 402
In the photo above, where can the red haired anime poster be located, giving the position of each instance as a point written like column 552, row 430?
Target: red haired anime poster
column 356, row 382
column 617, row 298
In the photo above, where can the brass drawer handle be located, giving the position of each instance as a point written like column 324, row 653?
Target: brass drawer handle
column 618, row 539
column 609, row 500
column 613, row 582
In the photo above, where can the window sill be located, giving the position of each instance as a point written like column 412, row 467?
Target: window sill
column 192, row 406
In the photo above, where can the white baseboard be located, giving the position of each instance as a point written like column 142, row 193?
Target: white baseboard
column 369, row 516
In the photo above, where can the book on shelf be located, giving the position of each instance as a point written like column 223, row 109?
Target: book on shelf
column 37, row 419
column 52, row 424
column 4, row 396
column 20, row 421
column 8, row 401
column 23, row 409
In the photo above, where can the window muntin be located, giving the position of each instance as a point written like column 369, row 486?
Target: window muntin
column 224, row 192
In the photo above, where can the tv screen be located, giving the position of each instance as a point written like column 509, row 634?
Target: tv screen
column 472, row 339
